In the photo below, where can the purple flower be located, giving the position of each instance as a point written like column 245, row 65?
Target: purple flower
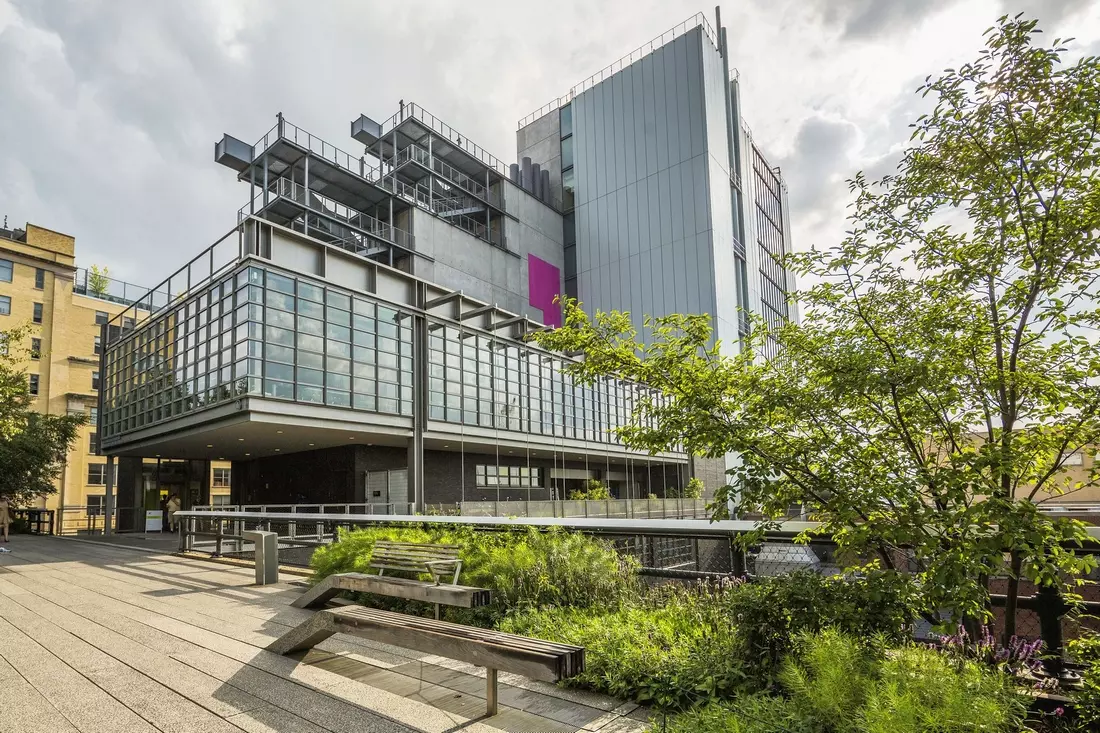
column 1059, row 711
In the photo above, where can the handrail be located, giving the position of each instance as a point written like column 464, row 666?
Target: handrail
column 411, row 110
column 365, row 223
column 419, row 155
column 287, row 130
column 181, row 283
column 695, row 21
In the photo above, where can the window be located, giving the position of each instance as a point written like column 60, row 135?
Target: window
column 101, row 317
column 36, row 348
column 5, row 305
column 93, row 442
column 1076, row 458
column 39, row 278
column 34, row 384
column 566, row 120
column 97, row 474
column 97, row 348
column 37, row 312
column 221, row 478
column 220, row 500
column 95, row 505
column 95, row 380
column 508, row 476
column 93, row 416
column 6, row 268
column 567, row 153
column 567, row 186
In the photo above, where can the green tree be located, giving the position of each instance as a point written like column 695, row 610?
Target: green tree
column 945, row 367
column 98, row 281
column 33, row 445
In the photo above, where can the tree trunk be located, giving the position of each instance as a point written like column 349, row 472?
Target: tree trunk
column 1012, row 595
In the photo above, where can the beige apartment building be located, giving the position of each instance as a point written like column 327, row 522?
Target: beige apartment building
column 66, row 307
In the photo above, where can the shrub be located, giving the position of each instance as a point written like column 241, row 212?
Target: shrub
column 674, row 649
column 770, row 612
column 921, row 689
column 523, row 569
column 1086, row 651
column 593, row 491
column 749, row 714
column 834, row 683
column 828, row 677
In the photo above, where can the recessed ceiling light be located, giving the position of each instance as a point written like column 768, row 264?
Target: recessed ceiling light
column 222, row 458
column 351, row 437
column 446, row 445
column 158, row 455
column 209, row 445
column 240, row 440
column 511, row 451
column 312, row 443
column 280, row 432
column 248, row 454
column 278, row 449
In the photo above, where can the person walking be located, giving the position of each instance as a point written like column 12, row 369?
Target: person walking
column 5, row 517
column 173, row 506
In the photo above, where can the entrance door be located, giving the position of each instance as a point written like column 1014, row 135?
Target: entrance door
column 389, row 487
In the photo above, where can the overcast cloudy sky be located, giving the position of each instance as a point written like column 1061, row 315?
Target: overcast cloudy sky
column 109, row 109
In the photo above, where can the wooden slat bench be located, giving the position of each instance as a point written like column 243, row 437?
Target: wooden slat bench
column 494, row 650
column 421, row 559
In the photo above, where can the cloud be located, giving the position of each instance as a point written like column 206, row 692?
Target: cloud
column 111, row 107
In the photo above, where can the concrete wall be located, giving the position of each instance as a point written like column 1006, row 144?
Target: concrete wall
column 483, row 271
column 541, row 141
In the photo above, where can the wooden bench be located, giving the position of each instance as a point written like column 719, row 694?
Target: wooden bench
column 494, row 650
column 407, row 557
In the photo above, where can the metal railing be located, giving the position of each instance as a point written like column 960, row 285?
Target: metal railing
column 411, row 110
column 443, row 208
column 609, row 508
column 202, row 269
column 417, row 154
column 326, row 151
column 695, row 21
column 89, row 520
column 327, row 207
column 102, row 287
column 39, row 521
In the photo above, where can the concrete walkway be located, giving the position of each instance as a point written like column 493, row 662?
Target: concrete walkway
column 101, row 638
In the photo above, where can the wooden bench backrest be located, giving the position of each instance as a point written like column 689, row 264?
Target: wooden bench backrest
column 411, row 557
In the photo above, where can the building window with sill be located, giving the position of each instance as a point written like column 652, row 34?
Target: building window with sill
column 34, row 384
column 39, row 278
column 36, row 348
column 37, row 313
column 221, row 478
column 95, row 505
column 95, row 380
column 97, row 474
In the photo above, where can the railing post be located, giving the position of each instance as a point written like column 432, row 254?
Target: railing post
column 737, row 557
column 1051, row 607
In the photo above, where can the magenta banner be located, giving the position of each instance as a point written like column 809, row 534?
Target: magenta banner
column 543, row 285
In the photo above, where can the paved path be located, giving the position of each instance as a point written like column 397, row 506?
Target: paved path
column 100, row 638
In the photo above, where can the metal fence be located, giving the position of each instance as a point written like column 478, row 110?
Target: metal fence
column 666, row 549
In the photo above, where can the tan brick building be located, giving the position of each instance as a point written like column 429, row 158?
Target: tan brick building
column 41, row 285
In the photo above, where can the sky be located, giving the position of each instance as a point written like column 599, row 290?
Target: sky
column 109, row 109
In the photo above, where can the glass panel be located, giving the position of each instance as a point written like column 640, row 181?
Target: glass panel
column 567, row 185
column 280, row 283
column 310, row 292
column 566, row 120
column 567, row 153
